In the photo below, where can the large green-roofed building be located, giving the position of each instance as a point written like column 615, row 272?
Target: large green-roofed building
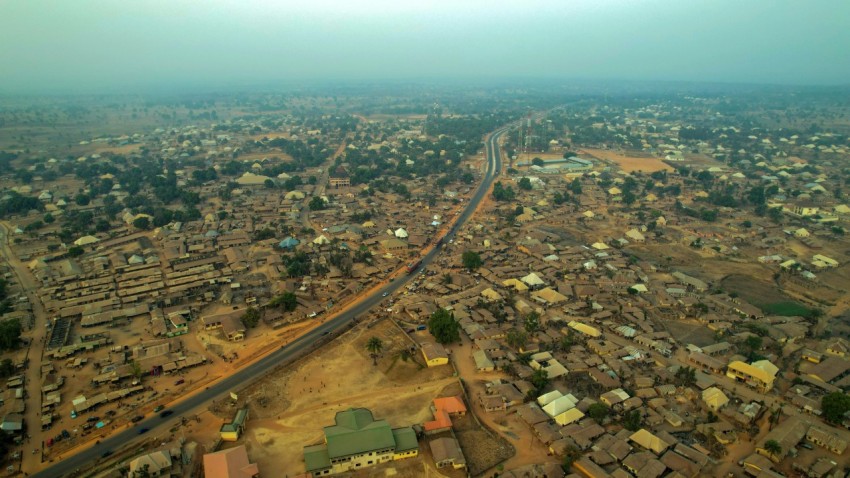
column 357, row 440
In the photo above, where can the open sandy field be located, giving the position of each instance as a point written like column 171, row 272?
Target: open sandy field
column 629, row 163
column 289, row 410
column 282, row 134
column 125, row 149
column 261, row 156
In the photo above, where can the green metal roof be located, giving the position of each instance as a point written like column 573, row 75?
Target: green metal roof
column 356, row 431
column 241, row 416
column 316, row 457
column 405, row 439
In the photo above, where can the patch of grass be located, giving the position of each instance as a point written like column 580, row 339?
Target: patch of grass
column 787, row 309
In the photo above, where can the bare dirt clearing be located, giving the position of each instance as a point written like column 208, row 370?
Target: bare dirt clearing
column 629, row 164
column 289, row 409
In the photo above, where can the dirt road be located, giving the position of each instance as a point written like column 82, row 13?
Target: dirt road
column 32, row 416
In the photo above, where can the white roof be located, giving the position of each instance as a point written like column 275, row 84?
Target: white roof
column 400, row 233
column 533, row 279
column 86, row 240
column 547, row 398
column 559, row 405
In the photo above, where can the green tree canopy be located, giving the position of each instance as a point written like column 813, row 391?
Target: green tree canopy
column 286, row 301
column 471, row 260
column 142, row 223
column 834, row 406
column 251, row 317
column 524, row 184
column 444, row 327
column 540, row 379
column 773, row 447
column 531, row 322
column 685, row 376
column 317, row 203
column 75, row 251
column 599, row 412
column 7, row 368
column 374, row 346
column 633, row 420
column 517, row 338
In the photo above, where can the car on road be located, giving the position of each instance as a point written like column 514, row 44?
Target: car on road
column 143, row 430
column 106, row 453
column 137, row 419
column 385, row 294
column 166, row 413
column 93, row 419
column 158, row 408
column 179, row 382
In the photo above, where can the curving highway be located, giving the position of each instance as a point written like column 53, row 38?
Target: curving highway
column 85, row 458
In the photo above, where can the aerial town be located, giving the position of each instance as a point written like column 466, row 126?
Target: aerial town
column 645, row 285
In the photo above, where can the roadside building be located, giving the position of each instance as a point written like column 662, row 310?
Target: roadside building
column 357, row 440
column 446, row 452
column 434, row 354
column 233, row 430
column 759, row 375
column 230, row 463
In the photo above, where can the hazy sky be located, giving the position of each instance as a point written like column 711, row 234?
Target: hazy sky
column 61, row 44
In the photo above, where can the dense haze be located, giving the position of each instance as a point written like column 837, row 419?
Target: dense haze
column 87, row 45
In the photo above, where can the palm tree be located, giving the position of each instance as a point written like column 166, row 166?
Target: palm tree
column 405, row 355
column 374, row 346
column 773, row 447
column 775, row 415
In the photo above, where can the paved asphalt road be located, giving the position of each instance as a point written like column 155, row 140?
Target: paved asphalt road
column 158, row 425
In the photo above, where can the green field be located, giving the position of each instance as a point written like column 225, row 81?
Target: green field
column 766, row 296
column 787, row 308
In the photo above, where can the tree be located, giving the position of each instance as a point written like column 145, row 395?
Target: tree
column 685, row 376
column 374, row 346
column 753, row 344
column 142, row 223
column 538, row 162
column 251, row 317
column 102, row 225
column 539, row 379
column 834, row 406
column 502, row 193
column 775, row 415
column 136, row 369
column 598, row 411
column 633, row 420
column 531, row 322
column 317, row 203
column 471, row 260
column 571, row 455
column 75, row 251
column 286, row 301
column 524, row 184
column 517, row 338
column 7, row 368
column 773, row 447
column 49, row 219
column 82, row 199
column 444, row 327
